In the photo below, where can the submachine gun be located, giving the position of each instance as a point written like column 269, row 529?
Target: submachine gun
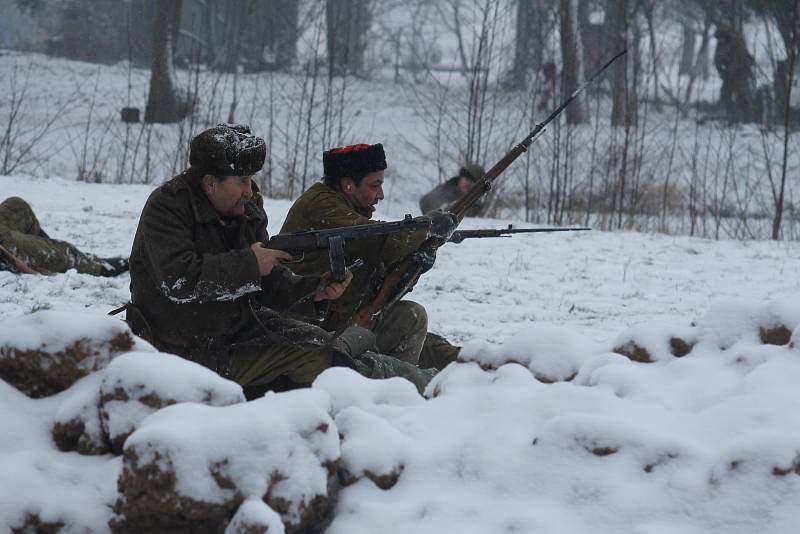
column 333, row 239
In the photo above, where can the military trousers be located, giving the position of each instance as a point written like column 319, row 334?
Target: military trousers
column 277, row 347
column 22, row 235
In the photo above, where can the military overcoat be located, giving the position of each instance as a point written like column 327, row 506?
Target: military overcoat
column 193, row 275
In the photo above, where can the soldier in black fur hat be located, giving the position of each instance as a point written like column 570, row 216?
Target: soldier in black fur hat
column 347, row 195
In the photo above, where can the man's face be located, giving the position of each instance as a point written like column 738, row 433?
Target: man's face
column 464, row 184
column 367, row 194
column 229, row 195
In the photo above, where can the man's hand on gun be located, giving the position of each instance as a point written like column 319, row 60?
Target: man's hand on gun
column 268, row 258
column 328, row 290
column 443, row 224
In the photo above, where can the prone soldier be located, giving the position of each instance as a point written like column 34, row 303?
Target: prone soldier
column 26, row 247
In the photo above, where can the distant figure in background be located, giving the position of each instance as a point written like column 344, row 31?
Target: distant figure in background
column 735, row 66
column 548, row 92
column 448, row 192
column 22, row 236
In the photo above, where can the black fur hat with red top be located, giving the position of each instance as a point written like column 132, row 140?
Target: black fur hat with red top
column 353, row 161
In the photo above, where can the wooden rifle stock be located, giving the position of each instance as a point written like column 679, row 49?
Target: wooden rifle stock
column 7, row 257
column 401, row 278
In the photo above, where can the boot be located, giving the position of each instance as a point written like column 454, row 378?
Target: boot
column 112, row 266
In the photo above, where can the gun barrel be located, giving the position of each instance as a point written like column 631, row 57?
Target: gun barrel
column 460, row 235
column 320, row 239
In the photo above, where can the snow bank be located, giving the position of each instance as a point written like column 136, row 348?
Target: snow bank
column 191, row 466
column 47, row 351
column 137, row 384
column 706, row 442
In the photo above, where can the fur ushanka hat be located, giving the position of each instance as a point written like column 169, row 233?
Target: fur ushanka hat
column 353, row 161
column 227, row 150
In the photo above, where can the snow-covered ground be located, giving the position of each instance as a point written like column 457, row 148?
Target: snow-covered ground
column 709, row 442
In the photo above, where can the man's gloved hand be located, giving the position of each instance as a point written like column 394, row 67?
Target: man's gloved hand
column 354, row 341
column 442, row 224
column 425, row 255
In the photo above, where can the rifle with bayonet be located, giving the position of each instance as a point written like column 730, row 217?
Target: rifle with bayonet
column 460, row 235
column 333, row 239
column 400, row 279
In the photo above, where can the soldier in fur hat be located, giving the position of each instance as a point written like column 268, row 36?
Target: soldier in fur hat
column 204, row 286
column 347, row 195
column 27, row 248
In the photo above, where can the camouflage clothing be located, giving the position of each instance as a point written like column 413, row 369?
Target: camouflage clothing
column 22, row 235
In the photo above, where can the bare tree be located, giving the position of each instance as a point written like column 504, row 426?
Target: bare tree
column 789, row 28
column 347, row 24
column 571, row 69
column 533, row 19
column 164, row 102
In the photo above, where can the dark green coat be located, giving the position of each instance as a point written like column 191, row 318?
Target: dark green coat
column 322, row 207
column 193, row 275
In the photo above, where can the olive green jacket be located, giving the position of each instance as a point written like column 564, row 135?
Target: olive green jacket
column 193, row 275
column 322, row 207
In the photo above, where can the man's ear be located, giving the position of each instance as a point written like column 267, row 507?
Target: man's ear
column 206, row 182
column 346, row 184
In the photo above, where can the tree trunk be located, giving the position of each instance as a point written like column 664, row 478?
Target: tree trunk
column 529, row 44
column 623, row 112
column 571, row 72
column 792, row 42
column 164, row 103
column 686, row 65
column 141, row 32
column 348, row 22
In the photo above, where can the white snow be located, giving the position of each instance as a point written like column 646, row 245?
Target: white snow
column 708, row 442
column 697, row 441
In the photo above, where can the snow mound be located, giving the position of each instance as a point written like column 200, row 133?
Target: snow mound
column 138, row 384
column 652, row 342
column 191, row 466
column 730, row 321
column 46, row 352
column 551, row 353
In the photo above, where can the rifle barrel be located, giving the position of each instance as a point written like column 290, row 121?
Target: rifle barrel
column 460, row 235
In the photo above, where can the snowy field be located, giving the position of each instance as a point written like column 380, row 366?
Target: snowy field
column 709, row 442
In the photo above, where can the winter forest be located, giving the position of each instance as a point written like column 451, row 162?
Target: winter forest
column 637, row 378
column 691, row 135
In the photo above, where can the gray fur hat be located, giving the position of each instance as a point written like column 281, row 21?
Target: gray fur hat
column 227, row 150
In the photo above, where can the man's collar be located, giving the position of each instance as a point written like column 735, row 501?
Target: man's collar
column 361, row 211
column 204, row 211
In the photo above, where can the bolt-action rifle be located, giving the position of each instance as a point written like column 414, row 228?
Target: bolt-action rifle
column 460, row 235
column 400, row 279
column 13, row 263
column 333, row 239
